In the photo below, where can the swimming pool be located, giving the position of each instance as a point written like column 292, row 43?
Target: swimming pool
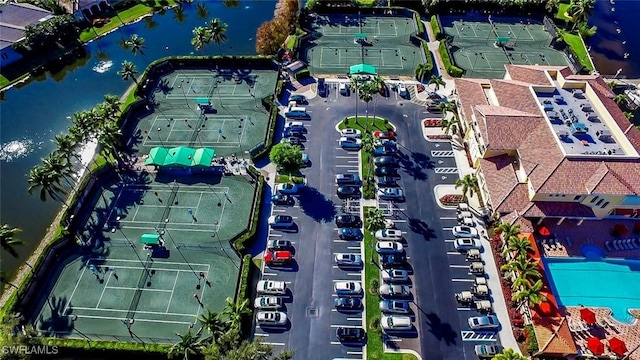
column 611, row 283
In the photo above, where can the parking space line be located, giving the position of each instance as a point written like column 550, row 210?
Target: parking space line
column 338, row 280
column 269, row 274
column 261, row 334
column 447, row 218
column 453, row 253
column 449, row 241
column 276, row 235
column 354, row 352
column 462, row 280
column 346, row 166
column 288, row 282
column 353, row 247
column 464, row 309
column 399, row 221
column 273, row 344
column 447, row 228
column 459, row 266
column 346, row 326
column 336, row 343
column 354, row 274
column 278, row 210
column 351, row 170
column 355, row 319
column 347, row 157
column 340, row 241
column 352, row 161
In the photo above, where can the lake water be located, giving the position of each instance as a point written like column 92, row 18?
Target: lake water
column 31, row 115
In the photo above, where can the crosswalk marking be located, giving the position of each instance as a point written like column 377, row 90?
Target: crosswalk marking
column 478, row 336
column 446, row 170
column 441, row 153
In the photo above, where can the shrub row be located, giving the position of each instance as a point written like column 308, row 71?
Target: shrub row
column 241, row 240
column 421, row 29
column 427, row 55
column 244, row 278
column 451, row 69
column 436, row 29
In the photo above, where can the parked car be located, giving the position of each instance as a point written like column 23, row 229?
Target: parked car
column 295, row 125
column 392, row 260
column 271, row 318
column 348, row 191
column 278, row 257
column 402, row 90
column 305, row 160
column 296, row 112
column 386, row 181
column 350, row 143
column 281, row 199
column 346, row 220
column 344, row 89
column 351, row 133
column 295, row 132
column 280, row 221
column 387, row 160
column 351, row 335
column 322, row 87
column 390, row 194
column 487, row 351
column 396, row 322
column 299, row 99
column 384, row 135
column 389, row 247
column 267, row 302
column 464, row 231
column 279, row 244
column 271, row 287
column 394, row 307
column 465, row 244
column 389, row 234
column 347, row 178
column 347, row 303
column 347, row 288
column 385, row 171
column 395, row 275
column 486, row 322
column 394, row 291
column 285, row 188
column 292, row 140
column 350, row 233
column 464, row 215
column 348, row 259
column 385, row 150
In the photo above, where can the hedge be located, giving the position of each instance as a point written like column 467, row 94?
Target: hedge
column 427, row 55
column 434, row 26
column 241, row 240
column 421, row 28
column 107, row 346
column 451, row 69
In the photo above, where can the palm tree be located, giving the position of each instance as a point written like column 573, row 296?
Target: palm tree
column 110, row 138
column 128, row 71
column 524, row 267
column 135, row 44
column 586, row 31
column 509, row 354
column 469, row 184
column 530, row 295
column 619, row 99
column 366, row 95
column 355, row 84
column 58, row 167
column 217, row 32
column 520, row 245
column 236, row 311
column 579, row 10
column 436, row 80
column 48, row 183
column 378, row 85
column 66, row 145
column 450, row 126
column 8, row 240
column 111, row 107
column 374, row 221
column 551, row 6
column 629, row 115
column 508, row 231
column 368, row 144
column 422, row 70
column 83, row 126
column 201, row 10
column 189, row 344
column 200, row 37
column 214, row 323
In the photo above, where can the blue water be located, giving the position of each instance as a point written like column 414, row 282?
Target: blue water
column 605, row 283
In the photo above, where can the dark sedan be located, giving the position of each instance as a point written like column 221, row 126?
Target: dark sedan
column 347, row 303
column 389, row 161
column 350, row 234
column 393, row 260
column 348, row 191
column 351, row 335
column 386, row 171
column 383, row 150
column 386, row 181
column 345, row 220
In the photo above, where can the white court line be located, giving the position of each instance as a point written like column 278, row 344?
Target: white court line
column 154, row 261
column 172, row 291
column 180, row 229
column 126, row 311
column 137, row 319
column 103, row 290
column 84, row 268
column 143, row 289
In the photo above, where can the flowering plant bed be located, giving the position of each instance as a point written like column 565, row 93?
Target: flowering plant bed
column 432, row 123
column 451, row 200
column 420, row 88
column 439, row 137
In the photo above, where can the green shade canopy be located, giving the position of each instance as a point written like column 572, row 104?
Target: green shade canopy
column 157, row 156
column 362, row 69
column 181, row 155
column 360, row 36
column 151, row 239
column 203, row 157
column 203, row 101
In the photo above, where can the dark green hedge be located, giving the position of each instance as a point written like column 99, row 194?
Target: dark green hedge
column 451, row 69
column 427, row 55
column 436, row 29
column 240, row 242
column 421, row 28
column 105, row 347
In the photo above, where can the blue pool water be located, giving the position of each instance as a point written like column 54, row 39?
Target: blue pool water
column 611, row 283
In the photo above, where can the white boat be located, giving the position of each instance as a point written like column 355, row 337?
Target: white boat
column 103, row 66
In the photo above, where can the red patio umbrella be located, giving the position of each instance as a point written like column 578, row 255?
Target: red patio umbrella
column 595, row 345
column 545, row 308
column 544, row 231
column 588, row 316
column 617, row 346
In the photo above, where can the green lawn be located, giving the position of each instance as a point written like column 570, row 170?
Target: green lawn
column 282, row 178
column 365, row 2
column 576, row 44
column 125, row 16
column 562, row 9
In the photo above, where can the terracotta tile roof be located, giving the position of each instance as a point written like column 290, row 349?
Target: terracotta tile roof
column 508, row 132
column 517, row 199
column 470, row 93
column 540, row 155
column 514, row 218
column 557, row 208
column 606, row 181
column 499, row 176
column 515, row 96
column 554, row 336
column 579, row 176
column 566, row 72
column 529, row 75
column 501, row 110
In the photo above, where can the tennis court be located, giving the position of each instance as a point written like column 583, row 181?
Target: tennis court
column 388, row 47
column 119, row 285
column 232, row 121
column 483, row 45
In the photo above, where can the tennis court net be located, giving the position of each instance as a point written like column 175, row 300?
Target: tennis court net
column 133, row 306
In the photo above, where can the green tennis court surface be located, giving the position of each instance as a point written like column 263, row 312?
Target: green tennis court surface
column 334, row 48
column 483, row 45
column 113, row 287
column 235, row 123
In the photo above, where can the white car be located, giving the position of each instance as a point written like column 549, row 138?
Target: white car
column 271, row 318
column 394, row 291
column 291, row 125
column 348, row 259
column 271, row 287
column 288, row 188
column 394, row 275
column 396, row 322
column 351, row 133
column 268, row 302
column 347, row 288
column 402, row 90
column 464, row 231
column 389, row 234
column 280, row 221
column 465, row 244
column 388, row 247
column 487, row 322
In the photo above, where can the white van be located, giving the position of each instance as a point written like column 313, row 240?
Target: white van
column 344, row 89
column 296, row 112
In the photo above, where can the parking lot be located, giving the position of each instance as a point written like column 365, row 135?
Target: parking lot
column 439, row 269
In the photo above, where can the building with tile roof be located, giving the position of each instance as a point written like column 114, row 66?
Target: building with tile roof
column 550, row 144
column 14, row 19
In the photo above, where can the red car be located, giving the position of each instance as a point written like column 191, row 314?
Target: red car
column 278, row 257
column 384, row 134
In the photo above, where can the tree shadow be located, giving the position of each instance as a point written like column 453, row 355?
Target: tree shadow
column 315, row 205
column 59, row 323
column 420, row 227
column 422, row 160
column 442, row 331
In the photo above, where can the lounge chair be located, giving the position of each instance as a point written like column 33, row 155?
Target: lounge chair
column 552, row 244
column 545, row 246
